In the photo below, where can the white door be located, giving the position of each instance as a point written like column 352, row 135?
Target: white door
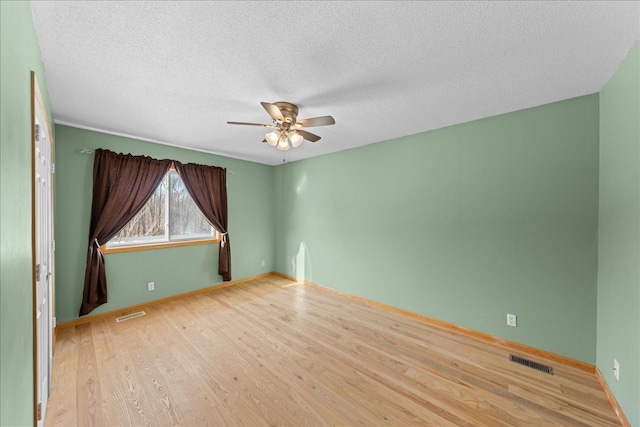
column 43, row 213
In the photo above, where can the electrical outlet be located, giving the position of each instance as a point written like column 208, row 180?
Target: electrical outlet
column 512, row 320
column 151, row 286
column 263, row 263
column 616, row 369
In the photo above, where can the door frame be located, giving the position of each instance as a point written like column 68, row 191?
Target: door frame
column 38, row 104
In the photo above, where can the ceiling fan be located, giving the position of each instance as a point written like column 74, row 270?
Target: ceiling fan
column 286, row 126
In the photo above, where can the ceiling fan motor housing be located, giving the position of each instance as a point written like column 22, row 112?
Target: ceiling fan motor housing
column 289, row 111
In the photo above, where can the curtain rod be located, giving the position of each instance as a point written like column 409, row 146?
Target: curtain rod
column 85, row 150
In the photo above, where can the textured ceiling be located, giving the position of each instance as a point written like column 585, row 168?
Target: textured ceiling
column 175, row 72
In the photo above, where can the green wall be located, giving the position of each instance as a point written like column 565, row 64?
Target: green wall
column 19, row 55
column 174, row 270
column 619, row 235
column 463, row 224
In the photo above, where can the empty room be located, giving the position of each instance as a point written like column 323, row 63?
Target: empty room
column 319, row 213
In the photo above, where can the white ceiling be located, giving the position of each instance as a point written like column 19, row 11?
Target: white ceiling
column 175, row 72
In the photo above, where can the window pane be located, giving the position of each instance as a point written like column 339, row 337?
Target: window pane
column 185, row 219
column 170, row 214
column 148, row 226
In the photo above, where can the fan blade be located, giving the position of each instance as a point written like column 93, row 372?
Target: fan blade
column 250, row 124
column 317, row 121
column 273, row 111
column 309, row 136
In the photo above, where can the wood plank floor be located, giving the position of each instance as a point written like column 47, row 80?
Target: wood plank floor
column 273, row 352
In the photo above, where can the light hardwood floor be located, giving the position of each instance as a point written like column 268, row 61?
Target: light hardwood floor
column 273, row 352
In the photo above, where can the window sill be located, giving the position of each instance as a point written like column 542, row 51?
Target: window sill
column 163, row 245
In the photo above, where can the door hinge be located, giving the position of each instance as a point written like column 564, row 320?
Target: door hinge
column 38, row 272
column 53, row 168
column 39, row 411
column 53, row 245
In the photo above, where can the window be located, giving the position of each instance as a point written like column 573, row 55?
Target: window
column 169, row 218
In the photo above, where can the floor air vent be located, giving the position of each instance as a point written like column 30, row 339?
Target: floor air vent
column 130, row 316
column 535, row 365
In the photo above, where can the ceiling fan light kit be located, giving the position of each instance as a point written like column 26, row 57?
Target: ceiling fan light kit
column 288, row 131
column 281, row 139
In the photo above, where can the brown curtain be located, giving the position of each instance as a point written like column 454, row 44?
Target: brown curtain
column 207, row 186
column 122, row 184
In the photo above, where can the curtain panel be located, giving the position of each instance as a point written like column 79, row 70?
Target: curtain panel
column 207, row 186
column 122, row 184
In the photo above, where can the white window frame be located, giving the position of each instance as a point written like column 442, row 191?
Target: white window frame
column 168, row 242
